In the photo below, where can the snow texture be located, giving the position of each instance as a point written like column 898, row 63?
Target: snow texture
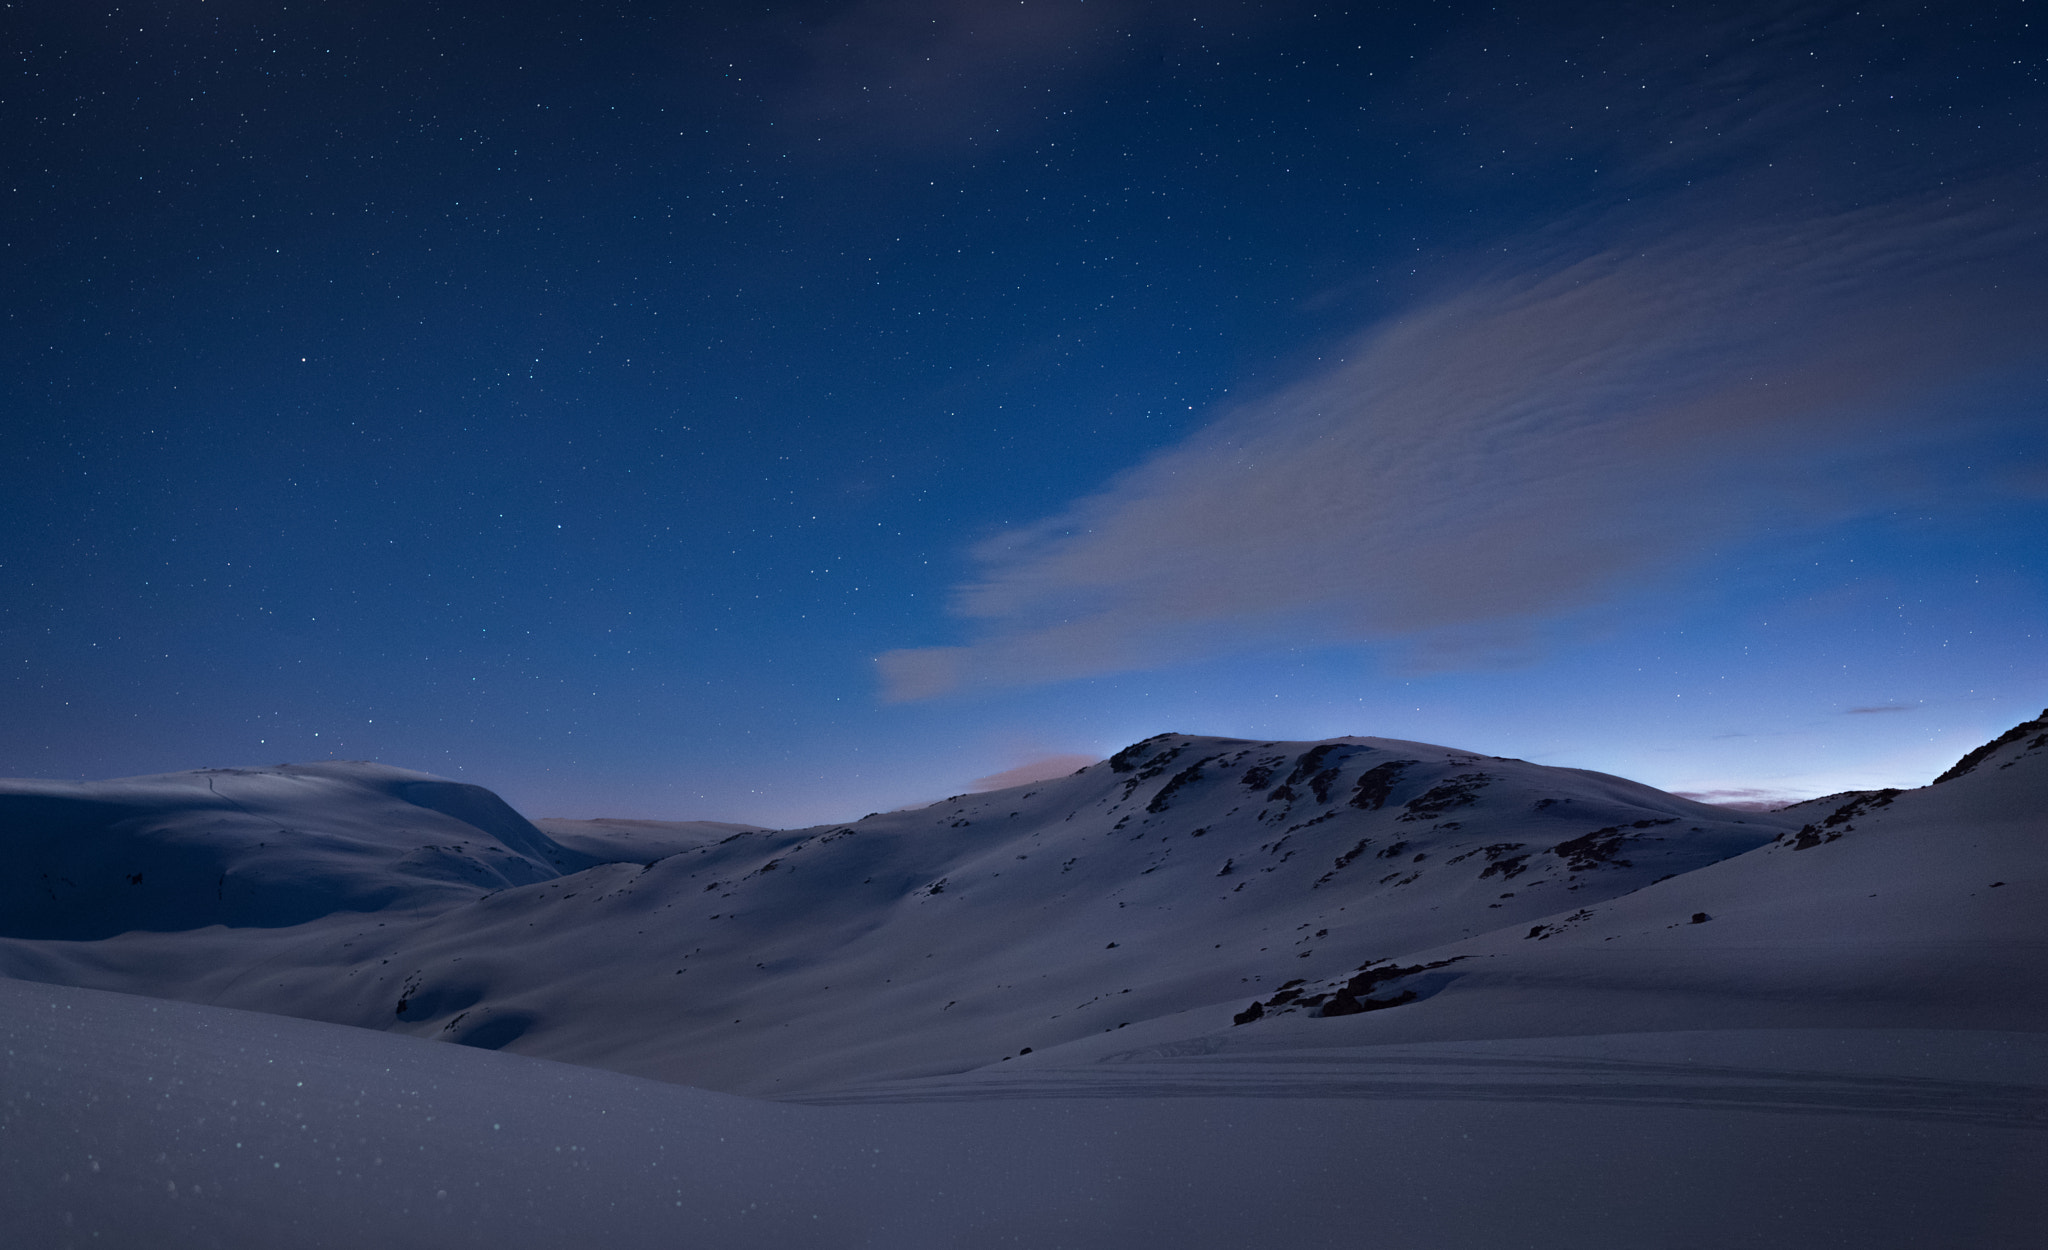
column 1208, row 991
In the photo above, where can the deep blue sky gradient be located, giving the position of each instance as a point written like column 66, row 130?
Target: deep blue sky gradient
column 578, row 399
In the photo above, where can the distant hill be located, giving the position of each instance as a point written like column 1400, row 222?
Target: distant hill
column 261, row 847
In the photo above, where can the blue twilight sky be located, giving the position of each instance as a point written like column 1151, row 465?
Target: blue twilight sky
column 783, row 411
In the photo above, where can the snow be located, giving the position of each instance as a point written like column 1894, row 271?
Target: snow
column 130, row 1121
column 264, row 847
column 1564, row 1009
column 615, row 841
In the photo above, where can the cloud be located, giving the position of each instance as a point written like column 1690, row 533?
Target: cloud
column 1045, row 768
column 1888, row 707
column 1748, row 800
column 1523, row 448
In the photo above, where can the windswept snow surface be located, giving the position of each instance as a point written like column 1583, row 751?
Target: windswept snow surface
column 1224, row 989
column 135, row 1122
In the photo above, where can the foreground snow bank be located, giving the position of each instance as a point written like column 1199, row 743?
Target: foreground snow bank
column 131, row 1121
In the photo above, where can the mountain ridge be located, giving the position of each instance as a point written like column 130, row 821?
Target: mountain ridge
column 1356, row 886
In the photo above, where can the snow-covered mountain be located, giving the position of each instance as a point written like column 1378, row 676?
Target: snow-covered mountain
column 1206, row 992
column 1877, row 909
column 1192, row 883
column 1181, row 873
column 256, row 847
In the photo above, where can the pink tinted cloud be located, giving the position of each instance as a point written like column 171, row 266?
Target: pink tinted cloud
column 1044, row 768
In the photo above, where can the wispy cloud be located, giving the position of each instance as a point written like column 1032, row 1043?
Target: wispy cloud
column 1745, row 800
column 1044, row 768
column 1887, row 707
column 1519, row 449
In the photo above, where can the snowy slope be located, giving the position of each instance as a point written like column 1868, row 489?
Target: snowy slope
column 262, row 847
column 136, row 1122
column 615, row 841
column 1888, row 909
column 1181, row 873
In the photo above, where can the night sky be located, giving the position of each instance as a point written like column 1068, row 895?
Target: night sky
column 782, row 412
